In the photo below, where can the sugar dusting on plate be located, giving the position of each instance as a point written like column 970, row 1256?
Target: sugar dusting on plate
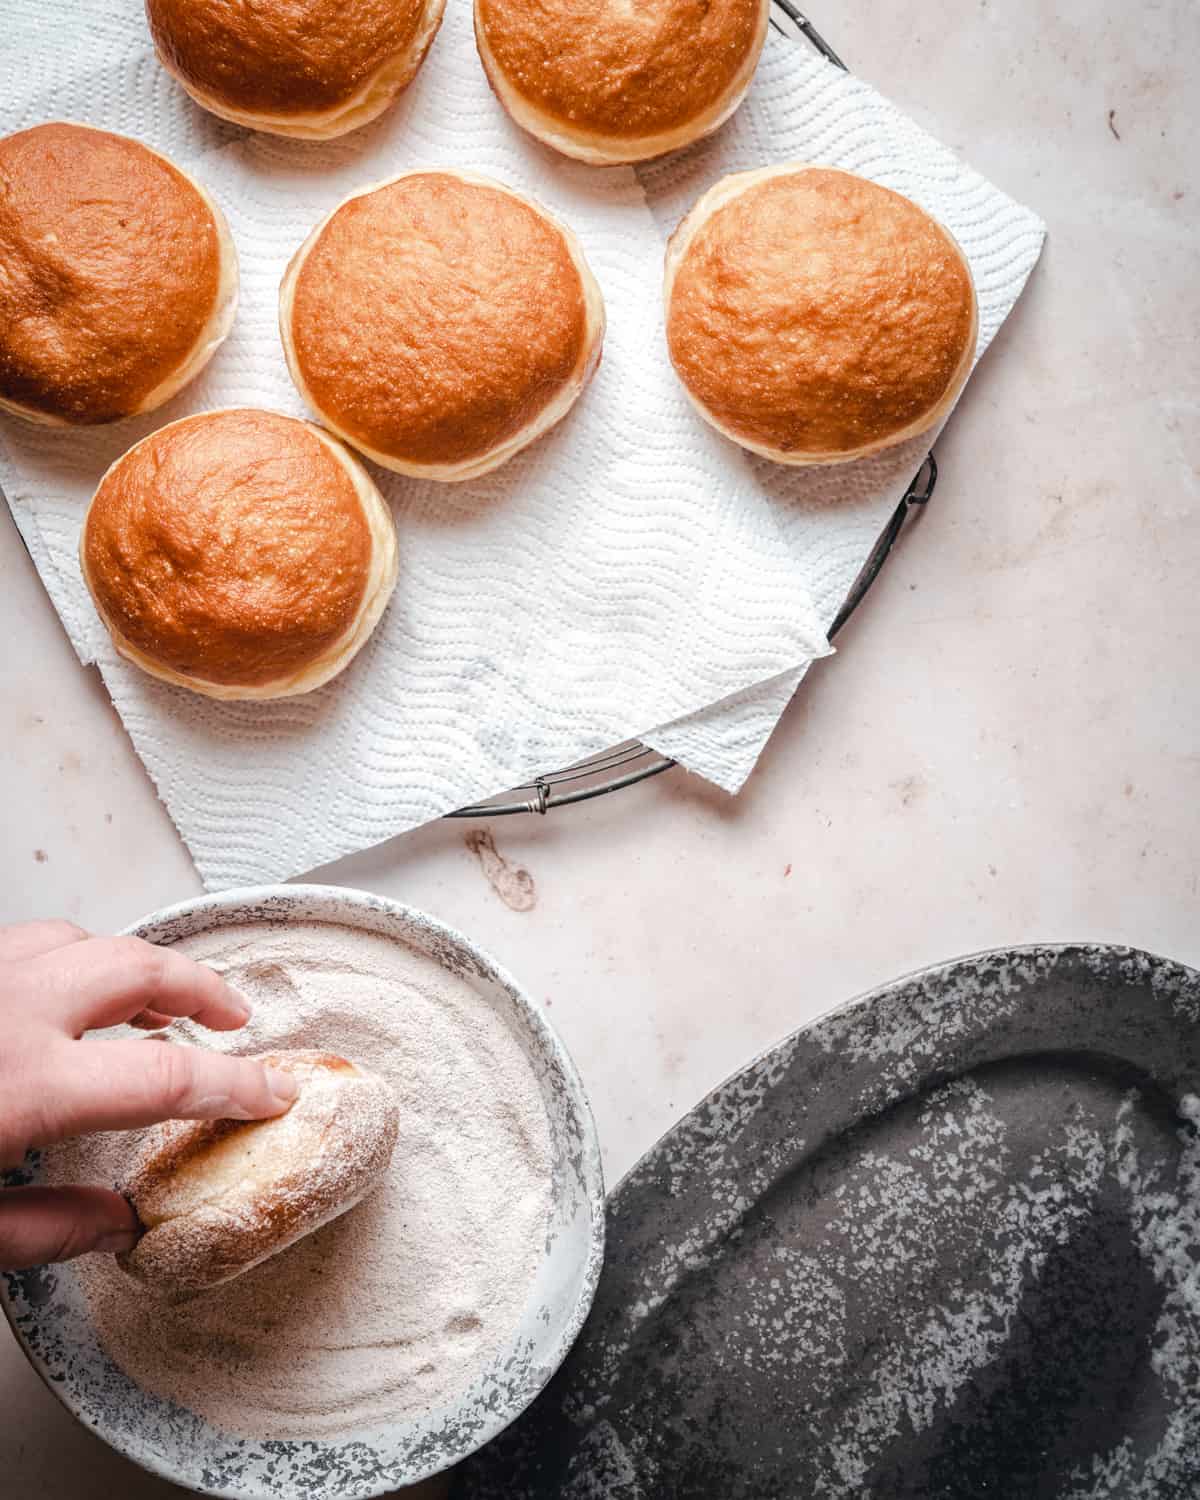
column 393, row 1309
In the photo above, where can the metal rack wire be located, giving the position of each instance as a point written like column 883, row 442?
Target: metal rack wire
column 627, row 764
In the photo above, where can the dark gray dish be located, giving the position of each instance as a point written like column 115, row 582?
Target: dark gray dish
column 944, row 1242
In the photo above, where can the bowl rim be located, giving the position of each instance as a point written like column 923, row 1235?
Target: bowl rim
column 590, row 1158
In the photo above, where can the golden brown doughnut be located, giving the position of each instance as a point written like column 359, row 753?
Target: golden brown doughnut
column 814, row 316
column 239, row 553
column 440, row 322
column 118, row 277
column 307, row 68
column 614, row 81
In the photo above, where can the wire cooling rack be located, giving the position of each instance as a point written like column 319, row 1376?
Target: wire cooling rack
column 627, row 764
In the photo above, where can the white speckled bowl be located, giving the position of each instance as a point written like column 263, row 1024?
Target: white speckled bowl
column 49, row 1316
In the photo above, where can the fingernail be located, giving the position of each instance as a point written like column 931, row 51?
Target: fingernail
column 242, row 1004
column 114, row 1244
column 282, row 1085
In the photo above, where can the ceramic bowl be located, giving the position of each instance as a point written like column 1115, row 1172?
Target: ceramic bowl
column 49, row 1315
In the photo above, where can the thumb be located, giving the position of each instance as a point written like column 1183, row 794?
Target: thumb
column 43, row 1224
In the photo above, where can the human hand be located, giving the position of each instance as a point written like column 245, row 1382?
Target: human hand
column 56, row 983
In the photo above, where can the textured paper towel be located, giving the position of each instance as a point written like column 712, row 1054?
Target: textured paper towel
column 802, row 108
column 615, row 577
column 633, row 570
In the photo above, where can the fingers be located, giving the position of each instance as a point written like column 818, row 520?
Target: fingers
column 29, row 939
column 149, row 1020
column 110, row 1085
column 44, row 1224
column 105, row 981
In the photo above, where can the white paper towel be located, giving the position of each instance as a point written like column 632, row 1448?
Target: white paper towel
column 631, row 570
column 614, row 577
column 802, row 108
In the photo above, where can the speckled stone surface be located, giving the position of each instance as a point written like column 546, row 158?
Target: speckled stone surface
column 48, row 1311
column 944, row 1242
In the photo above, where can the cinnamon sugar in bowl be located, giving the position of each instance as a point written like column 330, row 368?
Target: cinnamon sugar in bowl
column 398, row 1339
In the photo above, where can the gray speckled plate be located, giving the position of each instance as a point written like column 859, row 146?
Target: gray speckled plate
column 944, row 1242
column 49, row 1315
